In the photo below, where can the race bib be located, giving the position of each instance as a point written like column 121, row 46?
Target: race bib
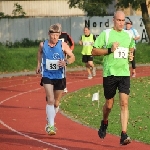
column 52, row 64
column 87, row 43
column 121, row 52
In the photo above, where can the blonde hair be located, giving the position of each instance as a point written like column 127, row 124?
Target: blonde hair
column 56, row 28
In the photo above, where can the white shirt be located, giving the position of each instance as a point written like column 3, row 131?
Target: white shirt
column 134, row 33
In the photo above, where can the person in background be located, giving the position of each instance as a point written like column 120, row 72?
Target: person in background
column 136, row 37
column 87, row 41
column 117, row 46
column 51, row 56
column 65, row 37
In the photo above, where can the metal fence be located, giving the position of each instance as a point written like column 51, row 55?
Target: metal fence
column 37, row 28
column 32, row 28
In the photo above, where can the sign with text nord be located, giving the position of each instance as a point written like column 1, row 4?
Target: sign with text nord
column 98, row 24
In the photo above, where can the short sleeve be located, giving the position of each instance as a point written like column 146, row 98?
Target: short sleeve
column 100, row 41
column 132, row 44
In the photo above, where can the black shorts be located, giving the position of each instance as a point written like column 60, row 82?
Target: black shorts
column 59, row 84
column 86, row 58
column 112, row 83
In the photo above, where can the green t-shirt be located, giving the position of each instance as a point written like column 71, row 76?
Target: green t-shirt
column 111, row 64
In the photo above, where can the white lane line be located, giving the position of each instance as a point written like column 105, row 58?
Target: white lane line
column 18, row 85
column 18, row 95
column 16, row 79
column 31, row 138
column 27, row 136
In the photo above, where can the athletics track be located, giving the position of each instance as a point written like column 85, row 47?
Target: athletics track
column 22, row 117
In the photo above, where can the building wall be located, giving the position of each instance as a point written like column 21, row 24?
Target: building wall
column 41, row 8
column 53, row 8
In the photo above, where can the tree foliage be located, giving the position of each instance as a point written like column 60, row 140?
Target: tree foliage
column 91, row 7
column 99, row 8
column 18, row 11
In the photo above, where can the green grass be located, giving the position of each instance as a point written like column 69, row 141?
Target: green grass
column 82, row 109
column 21, row 59
column 17, row 59
column 143, row 53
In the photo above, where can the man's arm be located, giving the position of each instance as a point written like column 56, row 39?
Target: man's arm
column 70, row 41
column 69, row 53
column 80, row 42
column 39, row 57
column 137, row 36
column 99, row 51
column 102, row 51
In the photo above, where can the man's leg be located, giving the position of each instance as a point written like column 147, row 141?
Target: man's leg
column 57, row 95
column 50, row 111
column 124, row 118
column 104, row 123
column 124, row 110
column 110, row 86
column 124, row 90
column 92, row 67
column 107, row 108
column 58, row 90
column 88, row 68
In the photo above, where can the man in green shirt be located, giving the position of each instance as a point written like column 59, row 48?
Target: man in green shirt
column 87, row 41
column 117, row 46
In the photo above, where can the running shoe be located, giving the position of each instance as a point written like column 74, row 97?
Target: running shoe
column 50, row 129
column 65, row 90
column 125, row 139
column 102, row 130
column 133, row 74
column 90, row 76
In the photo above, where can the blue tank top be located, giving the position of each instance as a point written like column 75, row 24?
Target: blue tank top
column 50, row 58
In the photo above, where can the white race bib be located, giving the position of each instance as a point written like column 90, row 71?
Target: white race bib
column 121, row 52
column 52, row 64
column 85, row 43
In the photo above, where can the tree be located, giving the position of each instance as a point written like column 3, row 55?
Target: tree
column 18, row 11
column 98, row 8
column 91, row 7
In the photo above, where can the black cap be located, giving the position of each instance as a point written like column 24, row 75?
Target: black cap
column 129, row 22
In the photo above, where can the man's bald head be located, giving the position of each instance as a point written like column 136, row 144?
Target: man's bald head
column 119, row 20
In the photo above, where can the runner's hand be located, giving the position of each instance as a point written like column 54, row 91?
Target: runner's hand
column 131, row 56
column 115, row 45
column 38, row 70
column 62, row 63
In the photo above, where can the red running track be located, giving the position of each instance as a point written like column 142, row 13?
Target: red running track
column 23, row 118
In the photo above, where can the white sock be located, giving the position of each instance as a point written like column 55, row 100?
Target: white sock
column 56, row 109
column 50, row 114
column 47, row 115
